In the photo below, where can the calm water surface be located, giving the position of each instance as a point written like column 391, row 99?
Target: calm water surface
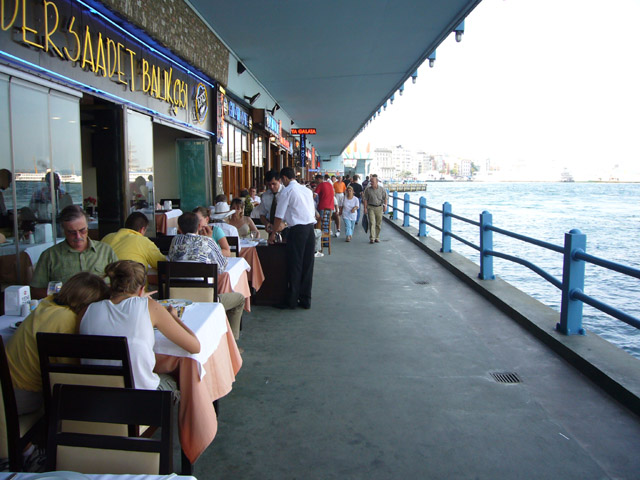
column 609, row 214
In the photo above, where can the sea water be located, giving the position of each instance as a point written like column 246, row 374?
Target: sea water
column 607, row 213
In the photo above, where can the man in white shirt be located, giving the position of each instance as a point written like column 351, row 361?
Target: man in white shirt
column 274, row 187
column 296, row 209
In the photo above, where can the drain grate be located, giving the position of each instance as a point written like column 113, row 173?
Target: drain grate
column 506, row 377
column 421, row 282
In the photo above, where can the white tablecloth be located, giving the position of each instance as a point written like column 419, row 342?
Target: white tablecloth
column 235, row 267
column 176, row 212
column 5, row 326
column 209, row 322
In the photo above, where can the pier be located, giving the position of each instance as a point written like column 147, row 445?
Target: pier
column 402, row 370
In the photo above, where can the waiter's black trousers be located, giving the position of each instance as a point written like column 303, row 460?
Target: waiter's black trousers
column 301, row 245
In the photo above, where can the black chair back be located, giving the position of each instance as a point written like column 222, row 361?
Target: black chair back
column 186, row 275
column 163, row 242
column 16, row 442
column 175, row 202
column 96, row 453
column 234, row 244
column 53, row 348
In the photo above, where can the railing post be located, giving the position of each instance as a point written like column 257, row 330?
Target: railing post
column 572, row 280
column 407, row 206
column 486, row 244
column 446, row 227
column 422, row 229
column 395, row 205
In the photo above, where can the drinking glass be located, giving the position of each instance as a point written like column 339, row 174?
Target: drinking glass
column 53, row 287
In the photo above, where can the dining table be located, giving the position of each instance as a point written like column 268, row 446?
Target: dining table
column 203, row 377
column 166, row 220
column 235, row 279
column 247, row 250
column 29, row 255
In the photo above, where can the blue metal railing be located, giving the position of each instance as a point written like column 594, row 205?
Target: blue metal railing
column 573, row 251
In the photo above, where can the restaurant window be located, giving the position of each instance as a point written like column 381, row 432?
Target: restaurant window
column 225, row 144
column 140, row 166
column 238, row 146
column 40, row 165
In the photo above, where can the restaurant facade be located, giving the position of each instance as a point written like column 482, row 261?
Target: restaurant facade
column 93, row 112
column 105, row 105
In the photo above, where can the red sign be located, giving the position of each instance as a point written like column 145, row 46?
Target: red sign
column 303, row 131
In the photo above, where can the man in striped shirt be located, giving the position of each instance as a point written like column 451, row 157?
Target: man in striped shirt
column 188, row 246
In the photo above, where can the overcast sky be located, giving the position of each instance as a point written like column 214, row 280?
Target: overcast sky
column 551, row 83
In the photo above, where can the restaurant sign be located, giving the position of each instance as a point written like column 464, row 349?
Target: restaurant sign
column 75, row 42
column 235, row 113
column 271, row 125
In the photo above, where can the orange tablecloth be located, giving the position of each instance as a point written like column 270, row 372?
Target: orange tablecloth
column 224, row 286
column 197, row 417
column 163, row 222
column 250, row 254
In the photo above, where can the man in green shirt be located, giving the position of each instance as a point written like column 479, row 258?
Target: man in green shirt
column 78, row 253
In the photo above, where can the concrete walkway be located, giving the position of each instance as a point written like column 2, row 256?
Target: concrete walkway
column 389, row 376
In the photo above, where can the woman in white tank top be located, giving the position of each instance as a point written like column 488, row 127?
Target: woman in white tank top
column 129, row 313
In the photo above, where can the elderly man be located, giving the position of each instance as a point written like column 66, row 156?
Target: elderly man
column 267, row 208
column 374, row 199
column 188, row 246
column 129, row 242
column 78, row 253
column 297, row 209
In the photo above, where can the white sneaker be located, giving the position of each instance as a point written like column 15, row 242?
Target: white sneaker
column 338, row 233
column 318, row 254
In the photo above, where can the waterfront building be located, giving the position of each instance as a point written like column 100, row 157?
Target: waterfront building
column 128, row 115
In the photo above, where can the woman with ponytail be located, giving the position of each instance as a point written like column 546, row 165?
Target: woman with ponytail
column 130, row 313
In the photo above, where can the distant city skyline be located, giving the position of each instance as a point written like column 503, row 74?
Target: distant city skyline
column 535, row 85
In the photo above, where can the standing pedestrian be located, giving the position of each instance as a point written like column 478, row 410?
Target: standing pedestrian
column 296, row 209
column 350, row 208
column 357, row 191
column 374, row 200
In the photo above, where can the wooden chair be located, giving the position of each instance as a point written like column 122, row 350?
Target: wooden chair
column 101, row 454
column 19, row 430
column 234, row 245
column 60, row 355
column 190, row 280
column 163, row 242
column 324, row 224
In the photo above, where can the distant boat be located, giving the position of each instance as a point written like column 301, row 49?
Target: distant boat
column 565, row 176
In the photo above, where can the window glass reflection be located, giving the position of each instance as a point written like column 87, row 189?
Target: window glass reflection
column 29, row 127
column 140, row 159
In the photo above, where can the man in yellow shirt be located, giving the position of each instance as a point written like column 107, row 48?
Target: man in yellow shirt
column 129, row 242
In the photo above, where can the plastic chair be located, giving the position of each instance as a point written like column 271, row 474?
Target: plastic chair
column 101, row 454
column 19, row 430
column 190, row 280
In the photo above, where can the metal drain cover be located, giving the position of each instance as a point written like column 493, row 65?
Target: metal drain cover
column 506, row 377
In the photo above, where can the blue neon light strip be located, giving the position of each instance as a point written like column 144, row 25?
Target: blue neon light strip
column 89, row 88
column 152, row 49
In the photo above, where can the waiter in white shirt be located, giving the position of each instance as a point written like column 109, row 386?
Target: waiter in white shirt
column 266, row 211
column 296, row 209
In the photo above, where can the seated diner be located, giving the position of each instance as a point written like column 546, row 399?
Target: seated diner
column 244, row 224
column 214, row 232
column 131, row 314
column 58, row 313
